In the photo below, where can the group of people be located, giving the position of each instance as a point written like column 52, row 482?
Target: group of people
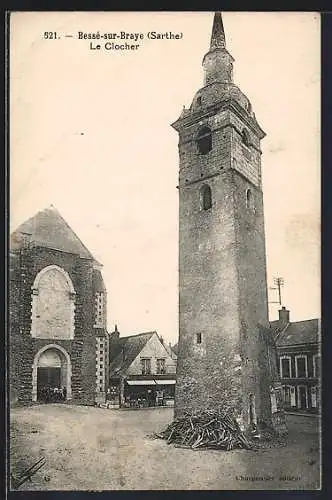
column 52, row 394
column 148, row 398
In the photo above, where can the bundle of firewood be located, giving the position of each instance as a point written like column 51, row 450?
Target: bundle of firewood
column 206, row 429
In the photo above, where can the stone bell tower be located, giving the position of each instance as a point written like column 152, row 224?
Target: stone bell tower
column 223, row 309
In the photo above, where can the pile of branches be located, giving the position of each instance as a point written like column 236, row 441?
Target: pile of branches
column 206, row 429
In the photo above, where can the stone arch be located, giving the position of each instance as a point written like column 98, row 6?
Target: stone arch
column 66, row 370
column 49, row 268
column 53, row 304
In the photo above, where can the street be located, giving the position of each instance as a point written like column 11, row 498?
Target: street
column 89, row 448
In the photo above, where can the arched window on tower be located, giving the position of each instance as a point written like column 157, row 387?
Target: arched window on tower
column 204, row 140
column 246, row 138
column 249, row 199
column 206, row 197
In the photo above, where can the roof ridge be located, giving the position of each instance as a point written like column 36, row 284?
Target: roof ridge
column 138, row 334
column 304, row 320
column 299, row 321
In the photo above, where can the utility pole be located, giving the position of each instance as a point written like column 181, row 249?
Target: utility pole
column 279, row 283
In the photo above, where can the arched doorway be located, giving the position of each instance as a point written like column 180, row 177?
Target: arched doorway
column 51, row 371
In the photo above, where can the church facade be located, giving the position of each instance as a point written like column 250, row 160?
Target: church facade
column 57, row 314
column 225, row 354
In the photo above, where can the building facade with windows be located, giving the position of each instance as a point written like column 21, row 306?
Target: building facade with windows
column 142, row 370
column 58, row 342
column 299, row 361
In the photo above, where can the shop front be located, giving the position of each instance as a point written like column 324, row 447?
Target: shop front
column 142, row 393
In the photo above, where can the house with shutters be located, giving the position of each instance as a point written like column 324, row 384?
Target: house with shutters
column 142, row 370
column 299, row 361
column 58, row 341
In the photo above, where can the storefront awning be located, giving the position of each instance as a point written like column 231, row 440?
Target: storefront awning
column 151, row 382
column 141, row 382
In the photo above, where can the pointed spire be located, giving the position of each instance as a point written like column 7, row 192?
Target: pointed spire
column 218, row 40
column 218, row 62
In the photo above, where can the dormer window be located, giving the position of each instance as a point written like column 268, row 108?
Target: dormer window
column 199, row 101
column 204, row 140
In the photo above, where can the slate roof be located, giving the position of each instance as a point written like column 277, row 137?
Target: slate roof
column 49, row 229
column 297, row 333
column 170, row 350
column 123, row 351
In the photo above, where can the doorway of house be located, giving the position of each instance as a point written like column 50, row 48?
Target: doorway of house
column 302, row 397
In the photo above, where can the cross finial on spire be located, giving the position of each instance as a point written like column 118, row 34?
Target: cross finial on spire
column 218, row 40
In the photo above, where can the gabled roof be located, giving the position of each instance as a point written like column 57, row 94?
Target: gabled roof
column 48, row 229
column 123, row 351
column 297, row 333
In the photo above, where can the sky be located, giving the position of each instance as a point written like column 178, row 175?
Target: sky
column 90, row 133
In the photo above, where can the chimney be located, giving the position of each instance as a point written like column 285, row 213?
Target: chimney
column 116, row 332
column 283, row 315
column 161, row 339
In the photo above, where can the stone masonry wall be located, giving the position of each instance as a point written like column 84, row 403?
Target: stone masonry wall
column 222, row 277
column 26, row 265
